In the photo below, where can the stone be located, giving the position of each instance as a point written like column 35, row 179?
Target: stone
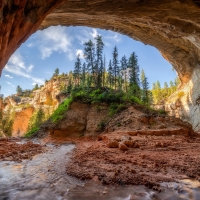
column 128, row 143
column 113, row 144
column 123, row 147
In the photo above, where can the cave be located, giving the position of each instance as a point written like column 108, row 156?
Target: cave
column 170, row 26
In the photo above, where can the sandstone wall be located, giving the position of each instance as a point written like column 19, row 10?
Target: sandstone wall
column 81, row 119
column 21, row 121
column 185, row 102
column 24, row 107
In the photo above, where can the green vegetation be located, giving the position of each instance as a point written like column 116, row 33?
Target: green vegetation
column 60, row 111
column 36, row 120
column 7, row 121
column 101, row 125
column 160, row 95
column 31, row 132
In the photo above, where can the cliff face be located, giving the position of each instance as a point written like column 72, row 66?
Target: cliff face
column 21, row 120
column 90, row 120
column 80, row 119
column 23, row 105
column 184, row 103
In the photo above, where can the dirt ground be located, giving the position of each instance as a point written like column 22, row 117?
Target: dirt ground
column 148, row 161
column 13, row 150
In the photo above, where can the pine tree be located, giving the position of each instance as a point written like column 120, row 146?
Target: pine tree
column 104, row 71
column 145, row 87
column 115, row 64
column 83, row 78
column 89, row 54
column 77, row 70
column 36, row 87
column 56, row 72
column 110, row 74
column 19, row 89
column 123, row 70
column 99, row 60
column 134, row 75
column 69, row 87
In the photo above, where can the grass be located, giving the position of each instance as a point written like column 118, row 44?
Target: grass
column 31, row 132
column 61, row 110
column 115, row 108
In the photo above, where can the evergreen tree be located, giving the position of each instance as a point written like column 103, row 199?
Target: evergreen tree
column 145, row 87
column 134, row 75
column 69, row 87
column 77, row 70
column 19, row 89
column 110, row 74
column 104, row 71
column 89, row 54
column 115, row 64
column 83, row 78
column 36, row 87
column 123, row 70
column 99, row 60
column 56, row 72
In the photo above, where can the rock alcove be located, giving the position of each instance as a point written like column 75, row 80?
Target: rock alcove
column 173, row 27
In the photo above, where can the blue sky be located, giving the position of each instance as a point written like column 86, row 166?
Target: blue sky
column 57, row 47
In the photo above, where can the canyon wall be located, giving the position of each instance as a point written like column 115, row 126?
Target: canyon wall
column 185, row 102
column 173, row 27
column 23, row 106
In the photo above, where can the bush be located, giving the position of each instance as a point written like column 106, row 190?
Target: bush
column 101, row 126
column 134, row 99
column 115, row 108
column 31, row 132
column 60, row 111
column 161, row 111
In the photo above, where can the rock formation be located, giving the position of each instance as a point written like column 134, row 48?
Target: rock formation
column 170, row 26
column 92, row 119
column 46, row 97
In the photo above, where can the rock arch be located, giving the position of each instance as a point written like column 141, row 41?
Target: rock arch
column 172, row 26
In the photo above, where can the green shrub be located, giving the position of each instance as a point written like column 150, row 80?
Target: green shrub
column 101, row 126
column 31, row 132
column 115, row 108
column 161, row 111
column 134, row 99
column 60, row 111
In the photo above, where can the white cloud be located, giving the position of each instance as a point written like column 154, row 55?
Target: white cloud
column 10, row 84
column 16, row 65
column 30, row 45
column 8, row 76
column 112, row 37
column 53, row 39
column 29, row 69
column 94, row 33
column 80, row 53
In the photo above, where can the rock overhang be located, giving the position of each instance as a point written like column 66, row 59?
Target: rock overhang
column 171, row 26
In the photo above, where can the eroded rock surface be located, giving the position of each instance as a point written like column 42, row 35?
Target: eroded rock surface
column 90, row 120
column 173, row 27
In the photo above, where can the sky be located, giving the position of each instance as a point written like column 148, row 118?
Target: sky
column 57, row 47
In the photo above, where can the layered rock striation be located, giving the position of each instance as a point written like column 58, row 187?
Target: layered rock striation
column 173, row 27
column 23, row 106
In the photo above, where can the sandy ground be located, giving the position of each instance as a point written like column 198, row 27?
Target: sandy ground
column 14, row 149
column 149, row 161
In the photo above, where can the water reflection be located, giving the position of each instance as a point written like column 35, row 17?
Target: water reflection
column 44, row 177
